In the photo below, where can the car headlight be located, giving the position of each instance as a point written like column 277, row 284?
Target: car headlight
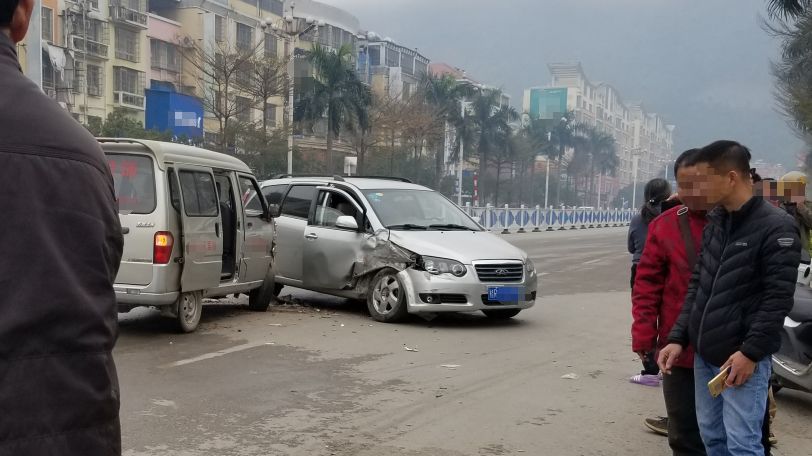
column 437, row 266
column 529, row 266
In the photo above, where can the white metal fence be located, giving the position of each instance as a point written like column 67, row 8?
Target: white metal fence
column 534, row 219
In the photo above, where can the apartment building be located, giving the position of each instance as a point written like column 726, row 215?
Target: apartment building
column 391, row 70
column 642, row 136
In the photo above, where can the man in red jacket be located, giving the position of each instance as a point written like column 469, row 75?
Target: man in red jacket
column 672, row 247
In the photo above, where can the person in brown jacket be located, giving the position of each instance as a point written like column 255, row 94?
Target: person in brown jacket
column 60, row 248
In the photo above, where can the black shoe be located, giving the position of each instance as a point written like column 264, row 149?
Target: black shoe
column 657, row 425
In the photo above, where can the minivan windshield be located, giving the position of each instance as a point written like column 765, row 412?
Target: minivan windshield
column 134, row 181
column 400, row 209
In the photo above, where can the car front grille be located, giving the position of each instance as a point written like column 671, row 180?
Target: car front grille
column 500, row 272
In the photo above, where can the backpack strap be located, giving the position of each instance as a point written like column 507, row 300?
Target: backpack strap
column 685, row 230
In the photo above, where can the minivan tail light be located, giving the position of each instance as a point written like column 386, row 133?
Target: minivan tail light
column 162, row 251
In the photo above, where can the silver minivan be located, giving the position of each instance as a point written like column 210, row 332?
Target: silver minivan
column 193, row 227
column 401, row 247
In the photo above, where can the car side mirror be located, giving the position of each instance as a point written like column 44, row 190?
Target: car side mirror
column 273, row 210
column 347, row 222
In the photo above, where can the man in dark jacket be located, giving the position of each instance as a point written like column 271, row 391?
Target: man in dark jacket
column 739, row 294
column 60, row 245
column 659, row 293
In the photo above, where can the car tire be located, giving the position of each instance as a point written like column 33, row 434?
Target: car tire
column 386, row 299
column 259, row 299
column 501, row 314
column 190, row 309
column 775, row 383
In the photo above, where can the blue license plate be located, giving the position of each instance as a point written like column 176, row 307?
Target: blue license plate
column 504, row 294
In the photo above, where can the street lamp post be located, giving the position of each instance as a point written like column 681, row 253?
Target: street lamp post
column 459, row 165
column 293, row 29
column 547, row 176
column 635, row 165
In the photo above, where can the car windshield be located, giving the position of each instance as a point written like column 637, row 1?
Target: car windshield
column 400, row 209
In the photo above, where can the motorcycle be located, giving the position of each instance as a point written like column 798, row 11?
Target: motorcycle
column 792, row 365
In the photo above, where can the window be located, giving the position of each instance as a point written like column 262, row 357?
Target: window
column 420, row 67
column 199, row 194
column 374, row 56
column 94, row 76
column 245, row 37
column 134, row 183
column 407, row 63
column 392, row 58
column 254, row 206
column 330, row 207
column 336, row 38
column 270, row 114
column 297, row 203
column 274, row 193
column 243, row 74
column 127, row 44
column 219, row 29
column 128, row 80
column 243, row 107
column 416, row 207
column 271, row 48
column 324, row 34
column 47, row 24
column 164, row 56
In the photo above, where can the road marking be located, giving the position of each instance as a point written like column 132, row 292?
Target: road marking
column 216, row 354
column 592, row 261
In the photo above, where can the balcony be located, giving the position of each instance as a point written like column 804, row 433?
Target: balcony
column 129, row 100
column 90, row 47
column 133, row 14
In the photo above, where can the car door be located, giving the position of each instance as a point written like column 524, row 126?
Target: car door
column 200, row 226
column 258, row 231
column 291, row 225
column 330, row 252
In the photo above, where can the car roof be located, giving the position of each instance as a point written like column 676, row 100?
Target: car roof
column 361, row 183
column 174, row 153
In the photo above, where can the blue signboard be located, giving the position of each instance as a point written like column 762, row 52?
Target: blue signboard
column 178, row 113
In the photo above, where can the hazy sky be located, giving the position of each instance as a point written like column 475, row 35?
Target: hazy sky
column 702, row 64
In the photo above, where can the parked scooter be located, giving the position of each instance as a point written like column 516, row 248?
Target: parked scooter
column 792, row 365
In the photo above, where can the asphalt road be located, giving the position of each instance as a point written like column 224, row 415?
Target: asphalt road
column 322, row 378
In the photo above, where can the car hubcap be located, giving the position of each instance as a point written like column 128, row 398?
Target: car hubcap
column 188, row 309
column 386, row 295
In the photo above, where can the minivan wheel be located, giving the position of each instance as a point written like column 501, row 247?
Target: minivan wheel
column 775, row 383
column 260, row 298
column 501, row 314
column 386, row 300
column 190, row 308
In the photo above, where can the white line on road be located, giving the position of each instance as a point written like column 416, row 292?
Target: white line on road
column 592, row 261
column 216, row 354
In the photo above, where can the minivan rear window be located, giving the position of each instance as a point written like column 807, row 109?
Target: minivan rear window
column 134, row 181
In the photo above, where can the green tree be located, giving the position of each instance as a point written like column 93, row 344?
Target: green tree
column 446, row 95
column 786, row 9
column 119, row 125
column 491, row 121
column 335, row 92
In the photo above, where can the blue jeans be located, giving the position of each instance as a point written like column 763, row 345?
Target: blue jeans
column 731, row 424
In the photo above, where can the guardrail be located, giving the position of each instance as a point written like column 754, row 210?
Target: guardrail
column 536, row 219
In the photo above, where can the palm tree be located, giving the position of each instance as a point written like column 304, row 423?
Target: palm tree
column 562, row 137
column 787, row 9
column 603, row 153
column 335, row 92
column 492, row 126
column 445, row 94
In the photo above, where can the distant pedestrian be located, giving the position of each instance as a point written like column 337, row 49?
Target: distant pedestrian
column 739, row 294
column 656, row 192
column 60, row 244
column 672, row 248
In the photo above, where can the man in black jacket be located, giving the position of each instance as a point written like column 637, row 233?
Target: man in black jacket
column 60, row 247
column 740, row 292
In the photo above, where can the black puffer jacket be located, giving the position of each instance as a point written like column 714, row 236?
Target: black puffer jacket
column 60, row 247
column 743, row 284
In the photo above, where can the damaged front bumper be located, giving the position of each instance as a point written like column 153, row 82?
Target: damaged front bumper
column 429, row 293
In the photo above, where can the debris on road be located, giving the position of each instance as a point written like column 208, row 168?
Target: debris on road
column 570, row 376
column 406, row 347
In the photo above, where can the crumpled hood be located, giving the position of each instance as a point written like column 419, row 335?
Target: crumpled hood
column 463, row 246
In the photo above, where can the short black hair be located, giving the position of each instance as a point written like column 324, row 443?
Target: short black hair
column 727, row 155
column 7, row 8
column 687, row 158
